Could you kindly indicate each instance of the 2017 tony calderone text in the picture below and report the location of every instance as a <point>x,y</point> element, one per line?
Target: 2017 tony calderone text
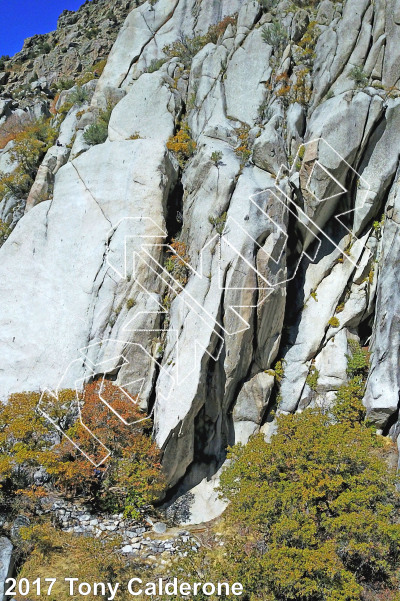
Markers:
<point>135,587</point>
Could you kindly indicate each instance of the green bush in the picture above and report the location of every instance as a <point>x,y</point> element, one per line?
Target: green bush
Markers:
<point>358,360</point>
<point>156,65</point>
<point>216,157</point>
<point>334,322</point>
<point>31,144</point>
<point>79,95</point>
<point>312,378</point>
<point>348,406</point>
<point>318,506</point>
<point>92,32</point>
<point>65,84</point>
<point>4,231</point>
<point>185,49</point>
<point>45,48</point>
<point>97,133</point>
<point>275,35</point>
<point>219,222</point>
<point>3,59</point>
<point>359,77</point>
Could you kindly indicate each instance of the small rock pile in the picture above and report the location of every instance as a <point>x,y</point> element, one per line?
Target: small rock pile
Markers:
<point>145,539</point>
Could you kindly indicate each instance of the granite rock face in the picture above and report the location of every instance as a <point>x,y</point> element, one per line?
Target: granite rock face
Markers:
<point>285,161</point>
<point>6,563</point>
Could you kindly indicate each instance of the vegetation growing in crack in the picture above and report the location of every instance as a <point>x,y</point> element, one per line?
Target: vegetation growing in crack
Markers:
<point>130,303</point>
<point>278,372</point>
<point>182,144</point>
<point>359,77</point>
<point>275,35</point>
<point>378,226</point>
<point>5,231</point>
<point>219,222</point>
<point>308,43</point>
<point>288,90</point>
<point>177,263</point>
<point>216,157</point>
<point>312,378</point>
<point>79,95</point>
<point>242,149</point>
<point>156,64</point>
<point>339,308</point>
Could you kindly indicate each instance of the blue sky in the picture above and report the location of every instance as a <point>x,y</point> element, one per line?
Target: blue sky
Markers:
<point>21,19</point>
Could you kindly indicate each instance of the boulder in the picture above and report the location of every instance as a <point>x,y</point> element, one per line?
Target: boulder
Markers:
<point>253,398</point>
<point>21,521</point>
<point>132,116</point>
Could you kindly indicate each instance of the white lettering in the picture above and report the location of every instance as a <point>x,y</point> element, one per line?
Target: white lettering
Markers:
<point>237,589</point>
<point>174,585</point>
<point>206,586</point>
<point>84,586</point>
<point>113,590</point>
<point>71,585</point>
<point>130,589</point>
<point>196,587</point>
<point>150,589</point>
<point>99,586</point>
<point>185,589</point>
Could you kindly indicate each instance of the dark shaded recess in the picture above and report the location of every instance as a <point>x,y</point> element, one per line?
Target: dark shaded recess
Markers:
<point>365,329</point>
<point>392,423</point>
<point>152,397</point>
<point>211,433</point>
<point>174,205</point>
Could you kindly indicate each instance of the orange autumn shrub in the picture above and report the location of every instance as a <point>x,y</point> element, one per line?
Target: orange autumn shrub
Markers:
<point>28,442</point>
<point>182,145</point>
